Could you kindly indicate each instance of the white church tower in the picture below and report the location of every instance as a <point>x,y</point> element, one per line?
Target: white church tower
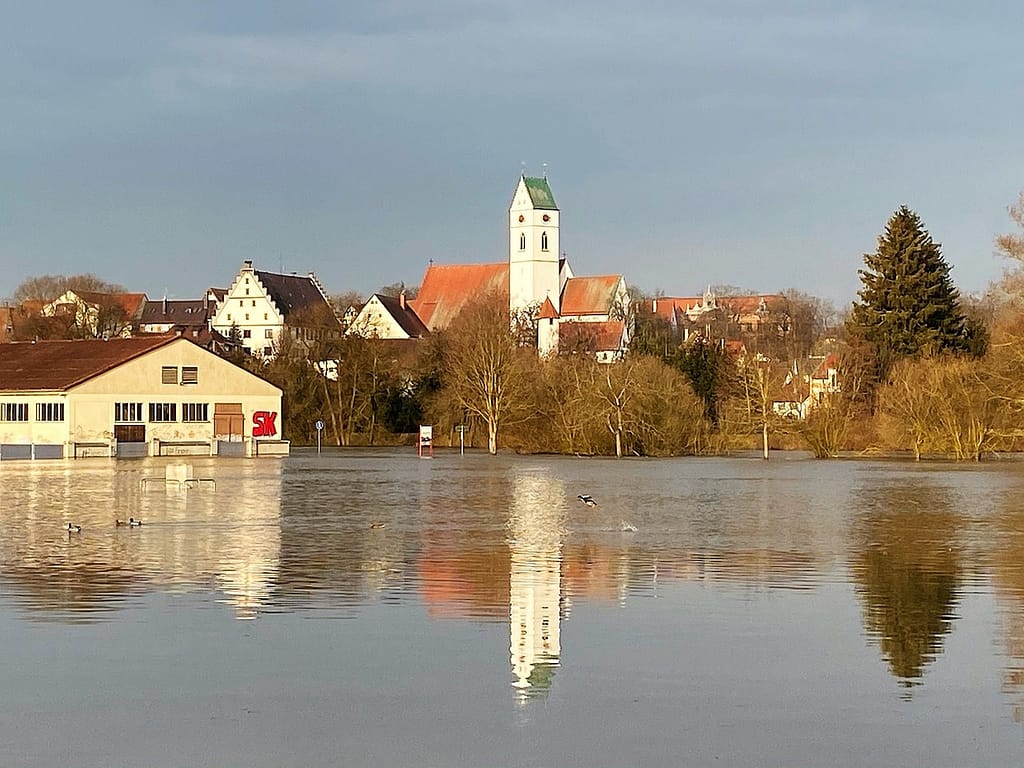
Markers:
<point>533,246</point>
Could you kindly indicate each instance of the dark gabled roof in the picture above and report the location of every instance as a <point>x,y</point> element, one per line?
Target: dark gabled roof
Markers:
<point>60,365</point>
<point>175,312</point>
<point>404,316</point>
<point>294,293</point>
<point>540,193</point>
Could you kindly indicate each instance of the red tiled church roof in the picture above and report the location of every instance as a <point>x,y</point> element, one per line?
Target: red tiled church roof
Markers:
<point>448,288</point>
<point>589,295</point>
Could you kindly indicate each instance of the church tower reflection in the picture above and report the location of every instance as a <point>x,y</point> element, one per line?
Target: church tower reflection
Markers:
<point>536,533</point>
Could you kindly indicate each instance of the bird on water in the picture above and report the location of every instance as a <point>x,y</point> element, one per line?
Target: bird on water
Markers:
<point>586,498</point>
<point>72,528</point>
<point>130,522</point>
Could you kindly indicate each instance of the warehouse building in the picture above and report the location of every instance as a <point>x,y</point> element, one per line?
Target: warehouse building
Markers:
<point>146,396</point>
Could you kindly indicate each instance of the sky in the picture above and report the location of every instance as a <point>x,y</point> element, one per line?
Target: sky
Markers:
<point>756,144</point>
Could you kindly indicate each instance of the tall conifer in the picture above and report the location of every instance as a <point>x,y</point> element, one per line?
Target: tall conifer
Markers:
<point>908,304</point>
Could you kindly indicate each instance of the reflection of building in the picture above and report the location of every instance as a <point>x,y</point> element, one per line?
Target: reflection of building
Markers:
<point>191,540</point>
<point>535,582</point>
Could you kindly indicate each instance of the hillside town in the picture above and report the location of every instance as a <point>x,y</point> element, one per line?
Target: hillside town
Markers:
<point>743,368</point>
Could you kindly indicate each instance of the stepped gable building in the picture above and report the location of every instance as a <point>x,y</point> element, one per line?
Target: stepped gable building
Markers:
<point>267,308</point>
<point>572,313</point>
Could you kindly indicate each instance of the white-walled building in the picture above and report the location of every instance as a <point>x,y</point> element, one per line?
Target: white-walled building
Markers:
<point>161,395</point>
<point>267,306</point>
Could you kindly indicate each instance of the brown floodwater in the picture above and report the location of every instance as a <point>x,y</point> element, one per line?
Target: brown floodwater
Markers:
<point>368,608</point>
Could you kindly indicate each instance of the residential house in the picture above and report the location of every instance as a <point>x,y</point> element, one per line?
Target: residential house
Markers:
<point>387,317</point>
<point>91,314</point>
<point>265,309</point>
<point>150,395</point>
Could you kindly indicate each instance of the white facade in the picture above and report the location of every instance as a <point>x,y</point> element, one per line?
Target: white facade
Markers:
<point>248,305</point>
<point>534,249</point>
<point>176,399</point>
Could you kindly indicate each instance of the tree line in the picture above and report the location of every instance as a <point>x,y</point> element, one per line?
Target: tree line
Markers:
<point>915,368</point>
<point>918,369</point>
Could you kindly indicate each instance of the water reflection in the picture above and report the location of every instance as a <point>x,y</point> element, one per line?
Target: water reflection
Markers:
<point>536,530</point>
<point>906,565</point>
<point>1008,585</point>
<point>225,539</point>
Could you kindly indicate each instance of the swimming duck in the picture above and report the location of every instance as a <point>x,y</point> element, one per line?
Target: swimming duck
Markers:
<point>376,526</point>
<point>72,528</point>
<point>587,499</point>
<point>131,522</point>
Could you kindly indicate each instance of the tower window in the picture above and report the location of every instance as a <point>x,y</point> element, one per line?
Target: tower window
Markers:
<point>522,241</point>
<point>543,241</point>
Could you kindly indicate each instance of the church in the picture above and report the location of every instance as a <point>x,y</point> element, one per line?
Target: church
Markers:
<point>572,314</point>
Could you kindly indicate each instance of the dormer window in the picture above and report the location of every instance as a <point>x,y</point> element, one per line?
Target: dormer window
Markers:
<point>543,241</point>
<point>522,241</point>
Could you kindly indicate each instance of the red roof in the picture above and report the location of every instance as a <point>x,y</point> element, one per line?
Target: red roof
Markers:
<point>547,311</point>
<point>830,361</point>
<point>589,295</point>
<point>447,289</point>
<point>129,302</point>
<point>60,365</point>
<point>604,336</point>
<point>666,306</point>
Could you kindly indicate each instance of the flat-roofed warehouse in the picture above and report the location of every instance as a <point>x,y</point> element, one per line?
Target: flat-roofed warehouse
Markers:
<point>144,396</point>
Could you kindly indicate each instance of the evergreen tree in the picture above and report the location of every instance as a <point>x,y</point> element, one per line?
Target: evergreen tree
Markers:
<point>909,305</point>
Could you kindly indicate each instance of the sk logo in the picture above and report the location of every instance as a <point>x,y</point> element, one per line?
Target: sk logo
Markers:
<point>263,424</point>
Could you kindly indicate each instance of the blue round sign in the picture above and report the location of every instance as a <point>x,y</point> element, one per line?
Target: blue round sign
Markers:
<point>319,425</point>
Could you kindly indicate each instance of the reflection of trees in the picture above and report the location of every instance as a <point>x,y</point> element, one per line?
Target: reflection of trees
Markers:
<point>1008,585</point>
<point>906,566</point>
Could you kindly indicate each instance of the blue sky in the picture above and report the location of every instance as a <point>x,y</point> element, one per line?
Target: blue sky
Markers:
<point>757,144</point>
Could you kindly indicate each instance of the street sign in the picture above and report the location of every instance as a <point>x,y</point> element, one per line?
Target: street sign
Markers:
<point>319,428</point>
<point>319,425</point>
<point>460,428</point>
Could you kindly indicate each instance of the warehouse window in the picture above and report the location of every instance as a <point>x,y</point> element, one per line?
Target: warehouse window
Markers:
<point>189,374</point>
<point>49,411</point>
<point>127,412</point>
<point>195,412</point>
<point>163,411</point>
<point>169,374</point>
<point>13,411</point>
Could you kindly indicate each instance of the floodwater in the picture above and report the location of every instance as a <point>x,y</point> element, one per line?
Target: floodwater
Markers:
<point>368,608</point>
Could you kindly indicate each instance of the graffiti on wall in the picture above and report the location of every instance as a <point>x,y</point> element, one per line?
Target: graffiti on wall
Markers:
<point>264,424</point>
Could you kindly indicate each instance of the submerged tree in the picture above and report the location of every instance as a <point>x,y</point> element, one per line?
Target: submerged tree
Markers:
<point>485,367</point>
<point>908,303</point>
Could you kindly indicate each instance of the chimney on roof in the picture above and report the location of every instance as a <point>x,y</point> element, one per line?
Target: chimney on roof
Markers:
<point>247,265</point>
<point>165,304</point>
<point>401,299</point>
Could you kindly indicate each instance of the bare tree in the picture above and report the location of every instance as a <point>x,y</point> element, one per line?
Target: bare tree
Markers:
<point>49,287</point>
<point>1012,245</point>
<point>485,366</point>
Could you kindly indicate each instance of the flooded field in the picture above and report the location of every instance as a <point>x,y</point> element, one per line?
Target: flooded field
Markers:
<point>368,608</point>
